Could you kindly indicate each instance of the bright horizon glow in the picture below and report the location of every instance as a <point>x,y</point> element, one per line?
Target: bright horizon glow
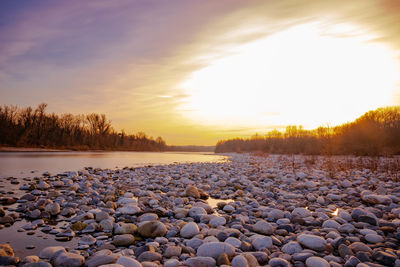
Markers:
<point>310,75</point>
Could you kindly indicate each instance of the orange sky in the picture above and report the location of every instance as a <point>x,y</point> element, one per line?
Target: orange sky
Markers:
<point>195,72</point>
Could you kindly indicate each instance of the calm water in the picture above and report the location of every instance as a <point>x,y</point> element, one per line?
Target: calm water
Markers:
<point>24,164</point>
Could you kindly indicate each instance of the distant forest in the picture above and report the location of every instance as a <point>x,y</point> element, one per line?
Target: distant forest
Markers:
<point>28,127</point>
<point>375,133</point>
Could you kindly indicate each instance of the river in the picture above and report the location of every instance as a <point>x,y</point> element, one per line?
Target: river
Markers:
<point>28,164</point>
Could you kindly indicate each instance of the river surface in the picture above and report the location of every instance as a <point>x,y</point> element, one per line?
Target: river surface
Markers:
<point>29,164</point>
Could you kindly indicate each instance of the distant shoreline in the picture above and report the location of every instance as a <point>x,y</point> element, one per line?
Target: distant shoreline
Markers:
<point>38,149</point>
<point>31,149</point>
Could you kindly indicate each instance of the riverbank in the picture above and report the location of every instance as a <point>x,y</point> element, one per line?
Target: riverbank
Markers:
<point>250,211</point>
<point>30,149</point>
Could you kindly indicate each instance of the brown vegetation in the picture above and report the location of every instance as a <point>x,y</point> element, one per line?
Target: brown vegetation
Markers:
<point>27,127</point>
<point>377,132</point>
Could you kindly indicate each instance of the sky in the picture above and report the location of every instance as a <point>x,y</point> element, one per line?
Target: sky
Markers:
<point>195,72</point>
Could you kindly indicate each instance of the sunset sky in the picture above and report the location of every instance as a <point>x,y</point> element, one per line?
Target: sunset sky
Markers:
<point>195,72</point>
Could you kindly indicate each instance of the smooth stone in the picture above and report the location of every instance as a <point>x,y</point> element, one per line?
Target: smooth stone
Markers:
<point>279,262</point>
<point>291,248</point>
<point>172,251</point>
<point>239,261</point>
<point>376,199</point>
<point>302,256</point>
<point>263,227</point>
<point>101,259</point>
<point>48,252</point>
<point>87,240</point>
<point>152,229</point>
<point>108,226</point>
<point>30,259</point>
<point>301,212</point>
<point>217,221</point>
<point>316,262</point>
<point>373,238</point>
<point>150,256</point>
<point>102,215</point>
<point>123,240</point>
<point>358,246</point>
<point>129,209</point>
<point>228,208</point>
<point>312,241</point>
<point>194,243</point>
<point>6,220</point>
<point>37,264</point>
<point>214,249</point>
<point>67,259</point>
<point>171,263</point>
<point>200,261</point>
<point>192,191</point>
<point>344,251</point>
<point>148,217</point>
<point>233,241</point>
<point>53,208</point>
<point>261,243</point>
<point>197,211</point>
<point>331,224</point>
<point>128,262</point>
<point>125,228</point>
<point>189,230</point>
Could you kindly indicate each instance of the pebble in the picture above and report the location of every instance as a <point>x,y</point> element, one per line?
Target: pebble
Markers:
<point>317,262</point>
<point>200,261</point>
<point>312,241</point>
<point>265,214</point>
<point>152,229</point>
<point>123,240</point>
<point>263,227</point>
<point>214,249</point>
<point>67,259</point>
<point>189,230</point>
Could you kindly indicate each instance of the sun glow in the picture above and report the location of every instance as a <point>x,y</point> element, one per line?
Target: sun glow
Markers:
<point>307,75</point>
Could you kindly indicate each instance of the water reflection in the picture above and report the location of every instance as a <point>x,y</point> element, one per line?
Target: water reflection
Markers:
<point>21,164</point>
<point>335,212</point>
<point>214,201</point>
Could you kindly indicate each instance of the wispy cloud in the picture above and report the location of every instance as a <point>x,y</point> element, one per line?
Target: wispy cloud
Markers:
<point>127,58</point>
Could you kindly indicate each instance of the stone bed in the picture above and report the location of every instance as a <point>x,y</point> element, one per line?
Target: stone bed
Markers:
<point>273,211</point>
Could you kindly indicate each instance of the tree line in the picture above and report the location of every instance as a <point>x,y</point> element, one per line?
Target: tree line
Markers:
<point>33,127</point>
<point>377,132</point>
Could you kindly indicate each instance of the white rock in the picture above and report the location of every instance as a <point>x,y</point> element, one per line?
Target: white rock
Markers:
<point>373,238</point>
<point>129,209</point>
<point>331,224</point>
<point>233,241</point>
<point>317,262</point>
<point>48,252</point>
<point>214,249</point>
<point>201,262</point>
<point>291,248</point>
<point>312,241</point>
<point>67,259</point>
<point>301,212</point>
<point>197,211</point>
<point>263,227</point>
<point>217,221</point>
<point>260,243</point>
<point>189,230</point>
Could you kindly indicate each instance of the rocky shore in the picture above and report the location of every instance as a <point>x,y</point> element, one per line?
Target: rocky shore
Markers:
<point>251,211</point>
